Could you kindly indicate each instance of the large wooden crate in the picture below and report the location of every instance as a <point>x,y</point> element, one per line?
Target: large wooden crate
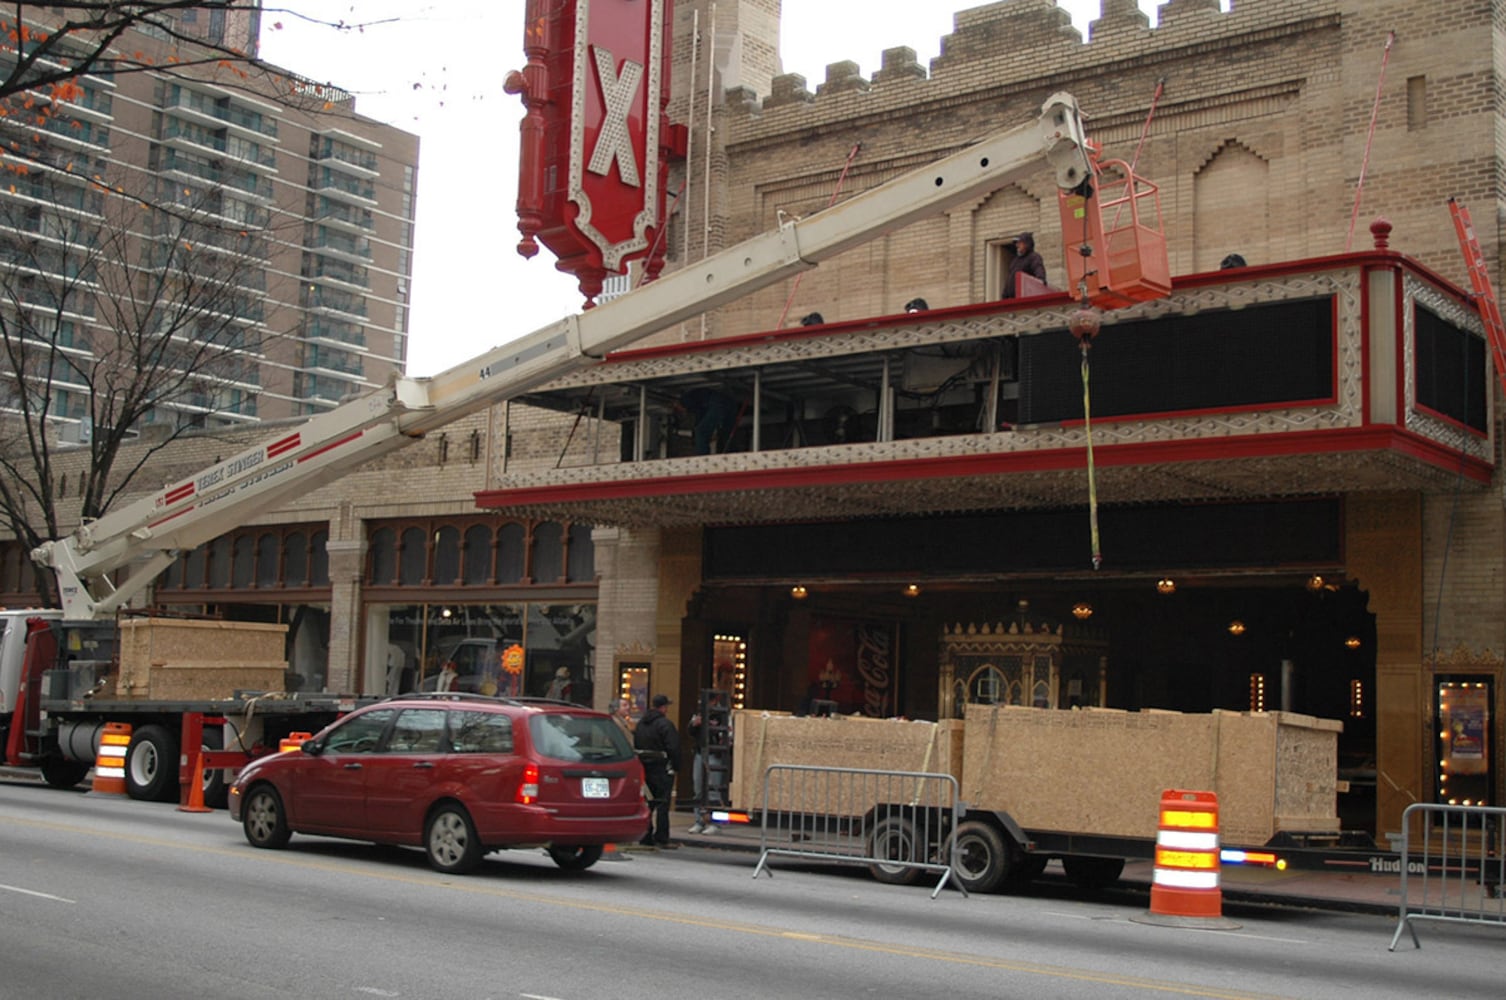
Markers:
<point>1103,771</point>
<point>764,738</point>
<point>169,658</point>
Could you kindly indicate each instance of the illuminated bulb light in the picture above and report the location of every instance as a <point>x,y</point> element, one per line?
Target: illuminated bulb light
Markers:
<point>1315,582</point>
<point>1166,585</point>
<point>1353,642</point>
<point>1236,627</point>
<point>911,590</point>
<point>799,593</point>
<point>1082,611</point>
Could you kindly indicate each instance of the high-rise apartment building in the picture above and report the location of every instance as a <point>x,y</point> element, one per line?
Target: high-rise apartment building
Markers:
<point>257,201</point>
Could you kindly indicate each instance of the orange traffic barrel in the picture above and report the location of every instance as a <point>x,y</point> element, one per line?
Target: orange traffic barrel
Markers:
<point>1185,883</point>
<point>110,758</point>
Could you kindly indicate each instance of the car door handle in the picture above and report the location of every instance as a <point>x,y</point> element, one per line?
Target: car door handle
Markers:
<point>428,764</point>
<point>354,765</point>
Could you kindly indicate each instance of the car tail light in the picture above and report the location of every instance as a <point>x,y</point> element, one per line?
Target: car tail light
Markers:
<point>528,788</point>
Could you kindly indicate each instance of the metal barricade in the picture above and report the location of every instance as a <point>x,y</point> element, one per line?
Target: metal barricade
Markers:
<point>1453,866</point>
<point>898,823</point>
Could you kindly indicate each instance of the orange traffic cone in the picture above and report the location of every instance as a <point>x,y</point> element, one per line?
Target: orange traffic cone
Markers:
<point>194,802</point>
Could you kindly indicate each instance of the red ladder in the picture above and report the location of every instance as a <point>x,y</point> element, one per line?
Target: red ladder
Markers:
<point>1479,277</point>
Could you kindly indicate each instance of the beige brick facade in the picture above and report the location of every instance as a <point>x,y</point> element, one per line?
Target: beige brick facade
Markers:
<point>1257,142</point>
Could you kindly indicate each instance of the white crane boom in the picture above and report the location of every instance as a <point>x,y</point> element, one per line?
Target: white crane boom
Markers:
<point>150,532</point>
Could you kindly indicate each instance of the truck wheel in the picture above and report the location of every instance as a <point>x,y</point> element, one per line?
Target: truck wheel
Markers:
<point>151,771</point>
<point>1092,873</point>
<point>983,859</point>
<point>450,840</point>
<point>263,818</point>
<point>893,838</point>
<point>216,788</point>
<point>576,859</point>
<point>61,773</point>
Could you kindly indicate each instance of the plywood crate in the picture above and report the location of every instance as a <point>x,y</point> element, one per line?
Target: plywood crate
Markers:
<point>198,659</point>
<point>761,739</point>
<point>1103,771</point>
<point>197,682</point>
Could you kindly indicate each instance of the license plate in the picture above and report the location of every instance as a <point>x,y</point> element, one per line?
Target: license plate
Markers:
<point>594,788</point>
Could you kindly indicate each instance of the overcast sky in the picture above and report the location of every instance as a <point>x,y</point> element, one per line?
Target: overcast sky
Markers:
<point>437,68</point>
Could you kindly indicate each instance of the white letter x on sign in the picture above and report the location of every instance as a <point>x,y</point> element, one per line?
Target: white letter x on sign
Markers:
<point>617,94</point>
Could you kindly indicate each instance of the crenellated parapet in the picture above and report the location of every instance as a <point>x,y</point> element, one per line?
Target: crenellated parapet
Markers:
<point>1031,45</point>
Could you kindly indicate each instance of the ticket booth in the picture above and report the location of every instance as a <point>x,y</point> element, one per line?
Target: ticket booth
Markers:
<point>1020,664</point>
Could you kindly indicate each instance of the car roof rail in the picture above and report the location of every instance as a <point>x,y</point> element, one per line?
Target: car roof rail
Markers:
<point>521,701</point>
<point>446,696</point>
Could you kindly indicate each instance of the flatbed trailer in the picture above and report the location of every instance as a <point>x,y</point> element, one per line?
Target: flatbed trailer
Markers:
<point>1082,787</point>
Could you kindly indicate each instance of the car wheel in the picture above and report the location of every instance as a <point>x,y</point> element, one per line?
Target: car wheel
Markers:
<point>451,841</point>
<point>893,838</point>
<point>151,771</point>
<point>1092,873</point>
<point>576,859</point>
<point>60,773</point>
<point>983,859</point>
<point>263,818</point>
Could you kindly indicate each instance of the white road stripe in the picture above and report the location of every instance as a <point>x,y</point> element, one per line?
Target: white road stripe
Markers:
<point>39,895</point>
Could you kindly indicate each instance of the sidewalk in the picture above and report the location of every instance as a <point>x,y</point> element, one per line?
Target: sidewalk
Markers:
<point>1354,891</point>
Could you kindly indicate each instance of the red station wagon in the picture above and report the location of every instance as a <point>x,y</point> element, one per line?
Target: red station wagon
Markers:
<point>459,775</point>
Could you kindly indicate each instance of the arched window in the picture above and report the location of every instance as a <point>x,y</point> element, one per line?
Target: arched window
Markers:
<point>510,553</point>
<point>268,553</point>
<point>383,556</point>
<point>413,558</point>
<point>319,559</point>
<point>242,561</point>
<point>193,572</point>
<point>219,563</point>
<point>296,560</point>
<point>446,555</point>
<point>582,554</point>
<point>478,555</point>
<point>548,553</point>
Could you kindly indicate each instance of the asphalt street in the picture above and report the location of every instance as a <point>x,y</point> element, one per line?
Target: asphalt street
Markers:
<point>101,896</point>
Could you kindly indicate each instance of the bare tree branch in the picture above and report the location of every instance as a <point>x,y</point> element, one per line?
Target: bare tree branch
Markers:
<point>116,311</point>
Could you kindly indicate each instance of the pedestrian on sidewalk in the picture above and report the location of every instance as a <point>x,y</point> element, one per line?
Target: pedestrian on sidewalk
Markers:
<point>658,745</point>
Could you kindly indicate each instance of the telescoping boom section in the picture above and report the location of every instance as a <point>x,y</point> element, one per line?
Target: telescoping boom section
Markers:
<point>149,533</point>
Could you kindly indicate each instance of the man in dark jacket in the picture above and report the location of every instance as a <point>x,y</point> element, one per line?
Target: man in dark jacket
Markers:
<point>1026,261</point>
<point>658,743</point>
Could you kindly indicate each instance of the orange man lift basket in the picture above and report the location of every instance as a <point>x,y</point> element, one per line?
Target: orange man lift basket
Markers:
<point>1114,238</point>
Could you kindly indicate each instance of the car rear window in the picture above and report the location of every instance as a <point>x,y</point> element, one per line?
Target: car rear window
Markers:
<point>480,732</point>
<point>570,736</point>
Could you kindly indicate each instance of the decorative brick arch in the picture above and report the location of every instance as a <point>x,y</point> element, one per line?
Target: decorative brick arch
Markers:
<point>1002,215</point>
<point>1231,197</point>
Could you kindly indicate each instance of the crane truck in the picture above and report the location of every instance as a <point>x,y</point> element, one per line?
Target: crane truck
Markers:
<point>53,707</point>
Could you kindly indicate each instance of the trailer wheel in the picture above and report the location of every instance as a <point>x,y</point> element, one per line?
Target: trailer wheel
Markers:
<point>151,772</point>
<point>983,859</point>
<point>59,772</point>
<point>893,838</point>
<point>264,820</point>
<point>450,840</point>
<point>1092,873</point>
<point>576,859</point>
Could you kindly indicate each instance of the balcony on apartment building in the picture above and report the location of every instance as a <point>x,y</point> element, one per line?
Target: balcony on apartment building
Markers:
<point>1358,373</point>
